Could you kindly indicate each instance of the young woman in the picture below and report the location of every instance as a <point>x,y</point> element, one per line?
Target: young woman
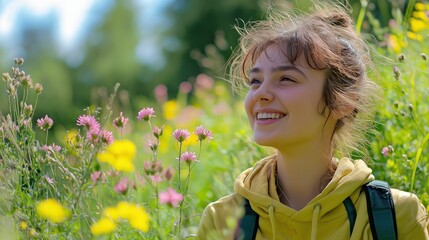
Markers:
<point>308,97</point>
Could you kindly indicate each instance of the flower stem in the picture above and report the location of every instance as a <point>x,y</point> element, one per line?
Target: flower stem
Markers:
<point>35,106</point>
<point>361,16</point>
<point>408,12</point>
<point>157,204</point>
<point>178,167</point>
<point>180,188</point>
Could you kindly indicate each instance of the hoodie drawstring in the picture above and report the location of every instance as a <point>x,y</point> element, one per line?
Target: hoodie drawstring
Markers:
<point>272,220</point>
<point>316,211</point>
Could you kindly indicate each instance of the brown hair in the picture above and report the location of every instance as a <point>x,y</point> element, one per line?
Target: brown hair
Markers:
<point>327,40</point>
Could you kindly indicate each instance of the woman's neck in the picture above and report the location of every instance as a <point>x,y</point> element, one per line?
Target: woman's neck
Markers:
<point>300,174</point>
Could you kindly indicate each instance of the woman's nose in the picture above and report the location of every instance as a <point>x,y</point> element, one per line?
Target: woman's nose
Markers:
<point>264,92</point>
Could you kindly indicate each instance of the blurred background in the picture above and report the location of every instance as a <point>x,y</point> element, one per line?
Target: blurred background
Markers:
<point>79,49</point>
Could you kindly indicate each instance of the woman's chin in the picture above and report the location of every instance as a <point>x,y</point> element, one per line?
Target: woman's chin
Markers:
<point>266,142</point>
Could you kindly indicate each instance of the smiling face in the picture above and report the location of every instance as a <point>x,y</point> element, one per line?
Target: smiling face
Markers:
<point>284,101</point>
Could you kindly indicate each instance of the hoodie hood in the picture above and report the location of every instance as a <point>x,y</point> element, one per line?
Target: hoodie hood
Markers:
<point>324,217</point>
<point>258,185</point>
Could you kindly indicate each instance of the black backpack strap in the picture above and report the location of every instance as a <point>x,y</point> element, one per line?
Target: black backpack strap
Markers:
<point>381,210</point>
<point>249,224</point>
<point>351,212</point>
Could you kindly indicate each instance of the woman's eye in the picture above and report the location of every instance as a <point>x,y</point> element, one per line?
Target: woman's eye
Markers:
<point>285,78</point>
<point>254,81</point>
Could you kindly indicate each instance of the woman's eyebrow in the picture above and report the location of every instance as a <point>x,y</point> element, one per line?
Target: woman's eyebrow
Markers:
<point>279,68</point>
<point>285,68</point>
<point>255,70</point>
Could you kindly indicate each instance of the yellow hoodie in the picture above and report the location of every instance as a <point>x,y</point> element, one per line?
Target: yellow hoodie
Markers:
<point>324,217</point>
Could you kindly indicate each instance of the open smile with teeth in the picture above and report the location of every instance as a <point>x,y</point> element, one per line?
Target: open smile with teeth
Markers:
<point>264,116</point>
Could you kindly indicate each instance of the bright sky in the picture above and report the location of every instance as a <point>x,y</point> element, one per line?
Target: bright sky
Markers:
<point>73,16</point>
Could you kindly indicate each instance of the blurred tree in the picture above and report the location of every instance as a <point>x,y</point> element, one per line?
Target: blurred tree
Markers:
<point>41,62</point>
<point>197,28</point>
<point>111,54</point>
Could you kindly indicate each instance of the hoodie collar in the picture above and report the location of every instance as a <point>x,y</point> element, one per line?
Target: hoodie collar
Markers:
<point>258,184</point>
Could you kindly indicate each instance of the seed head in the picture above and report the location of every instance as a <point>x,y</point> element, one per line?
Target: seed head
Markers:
<point>19,61</point>
<point>6,77</point>
<point>28,110</point>
<point>396,72</point>
<point>11,90</point>
<point>26,81</point>
<point>38,88</point>
<point>396,104</point>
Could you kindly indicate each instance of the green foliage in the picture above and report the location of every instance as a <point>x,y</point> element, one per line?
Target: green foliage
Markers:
<point>402,118</point>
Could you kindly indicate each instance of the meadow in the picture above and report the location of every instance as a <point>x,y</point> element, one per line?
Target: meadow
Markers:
<point>149,174</point>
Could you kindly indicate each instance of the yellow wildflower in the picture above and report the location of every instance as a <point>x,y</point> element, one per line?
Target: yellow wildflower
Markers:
<point>120,211</point>
<point>135,214</point>
<point>119,155</point>
<point>51,209</point>
<point>418,25</point>
<point>415,36</point>
<point>421,16</point>
<point>23,225</point>
<point>103,226</point>
<point>33,232</point>
<point>192,139</point>
<point>170,109</point>
<point>165,139</point>
<point>140,221</point>
<point>395,43</point>
<point>421,6</point>
<point>71,137</point>
<point>123,148</point>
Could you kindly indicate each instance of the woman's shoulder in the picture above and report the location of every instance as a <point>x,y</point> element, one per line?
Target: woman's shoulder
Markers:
<point>224,205</point>
<point>411,215</point>
<point>220,218</point>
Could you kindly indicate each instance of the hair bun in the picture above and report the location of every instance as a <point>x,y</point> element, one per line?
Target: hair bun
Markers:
<point>339,20</point>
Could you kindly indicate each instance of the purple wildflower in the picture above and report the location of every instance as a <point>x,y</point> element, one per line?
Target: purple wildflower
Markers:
<point>48,179</point>
<point>93,135</point>
<point>387,151</point>
<point>89,122</point>
<point>45,123</point>
<point>95,176</point>
<point>170,197</point>
<point>51,148</point>
<point>106,137</point>
<point>181,134</point>
<point>157,132</point>
<point>203,133</point>
<point>152,167</point>
<point>146,114</point>
<point>152,145</point>
<point>169,173</point>
<point>122,186</point>
<point>120,122</point>
<point>188,157</point>
<point>156,178</point>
